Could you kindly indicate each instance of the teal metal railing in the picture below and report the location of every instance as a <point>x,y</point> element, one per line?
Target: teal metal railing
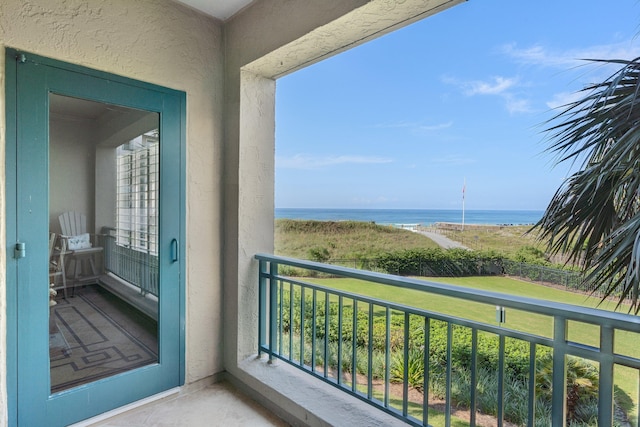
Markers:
<point>387,353</point>
<point>137,268</point>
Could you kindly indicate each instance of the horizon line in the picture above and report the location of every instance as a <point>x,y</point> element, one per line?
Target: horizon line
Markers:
<point>410,209</point>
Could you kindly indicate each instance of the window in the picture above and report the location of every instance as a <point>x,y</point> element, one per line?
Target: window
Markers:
<point>137,193</point>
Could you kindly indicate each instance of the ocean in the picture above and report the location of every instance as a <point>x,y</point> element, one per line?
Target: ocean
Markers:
<point>414,216</point>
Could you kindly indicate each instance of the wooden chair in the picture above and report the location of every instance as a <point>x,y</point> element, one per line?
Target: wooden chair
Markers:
<point>80,249</point>
<point>56,263</point>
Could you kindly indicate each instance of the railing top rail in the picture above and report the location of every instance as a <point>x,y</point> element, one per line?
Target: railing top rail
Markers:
<point>550,308</point>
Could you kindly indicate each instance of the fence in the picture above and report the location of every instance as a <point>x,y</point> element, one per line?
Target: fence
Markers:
<point>569,279</point>
<point>363,345</point>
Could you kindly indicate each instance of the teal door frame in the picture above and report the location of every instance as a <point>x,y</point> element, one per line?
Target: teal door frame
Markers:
<point>29,81</point>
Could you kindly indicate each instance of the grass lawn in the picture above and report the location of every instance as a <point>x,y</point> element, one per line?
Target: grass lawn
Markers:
<point>625,343</point>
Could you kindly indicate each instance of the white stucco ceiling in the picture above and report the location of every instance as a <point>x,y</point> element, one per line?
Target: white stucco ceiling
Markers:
<point>221,9</point>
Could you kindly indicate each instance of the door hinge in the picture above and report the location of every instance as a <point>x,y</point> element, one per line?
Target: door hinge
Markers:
<point>20,250</point>
<point>21,58</point>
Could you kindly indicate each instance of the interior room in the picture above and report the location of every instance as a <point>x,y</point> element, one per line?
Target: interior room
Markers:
<point>103,174</point>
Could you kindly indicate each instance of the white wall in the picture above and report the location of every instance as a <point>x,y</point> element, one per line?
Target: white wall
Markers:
<point>164,43</point>
<point>71,169</point>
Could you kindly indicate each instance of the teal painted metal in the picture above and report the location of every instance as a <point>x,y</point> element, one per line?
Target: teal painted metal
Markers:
<point>447,413</point>
<point>291,299</point>
<point>340,309</point>
<point>387,356</point>
<point>501,381</point>
<point>425,384</point>
<point>314,323</point>
<point>31,81</point>
<point>281,317</point>
<point>474,375</point>
<point>354,347</point>
<point>262,308</point>
<point>369,353</point>
<point>561,314</point>
<point>559,382</point>
<point>302,318</point>
<point>531,407</point>
<point>11,162</point>
<point>405,371</point>
<point>273,304</point>
<point>605,386</point>
<point>327,321</point>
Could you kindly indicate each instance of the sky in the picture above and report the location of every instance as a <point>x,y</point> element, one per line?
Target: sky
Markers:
<point>457,100</point>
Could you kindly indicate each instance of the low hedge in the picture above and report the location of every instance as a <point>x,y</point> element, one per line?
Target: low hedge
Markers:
<point>516,351</point>
<point>440,262</point>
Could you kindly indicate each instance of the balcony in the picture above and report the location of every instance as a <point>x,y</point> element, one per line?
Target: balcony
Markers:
<point>313,354</point>
<point>221,402</point>
<point>360,345</point>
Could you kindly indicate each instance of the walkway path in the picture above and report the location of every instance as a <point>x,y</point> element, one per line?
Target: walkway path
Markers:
<point>443,241</point>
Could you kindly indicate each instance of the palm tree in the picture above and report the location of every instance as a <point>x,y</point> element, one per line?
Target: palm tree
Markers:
<point>594,217</point>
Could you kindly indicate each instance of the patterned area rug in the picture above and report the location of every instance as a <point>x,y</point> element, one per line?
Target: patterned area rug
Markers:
<point>94,335</point>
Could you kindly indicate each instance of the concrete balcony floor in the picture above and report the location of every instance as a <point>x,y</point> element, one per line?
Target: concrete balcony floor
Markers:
<point>219,404</point>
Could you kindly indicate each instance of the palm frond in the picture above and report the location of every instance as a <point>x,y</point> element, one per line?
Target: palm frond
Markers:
<point>593,216</point>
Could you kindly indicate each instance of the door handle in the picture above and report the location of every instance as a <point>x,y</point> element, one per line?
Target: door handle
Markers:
<point>174,250</point>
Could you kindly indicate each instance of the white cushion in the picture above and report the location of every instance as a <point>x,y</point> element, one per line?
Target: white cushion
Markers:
<point>81,241</point>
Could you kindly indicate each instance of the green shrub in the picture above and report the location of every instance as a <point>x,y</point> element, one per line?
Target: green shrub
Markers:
<point>440,262</point>
<point>415,368</point>
<point>319,254</point>
<point>531,255</point>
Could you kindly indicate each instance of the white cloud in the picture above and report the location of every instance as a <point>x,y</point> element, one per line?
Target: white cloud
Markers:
<point>498,86</point>
<point>452,160</point>
<point>564,59</point>
<point>438,126</point>
<point>396,125</point>
<point>573,60</point>
<point>515,105</point>
<point>417,126</point>
<point>562,99</point>
<point>304,161</point>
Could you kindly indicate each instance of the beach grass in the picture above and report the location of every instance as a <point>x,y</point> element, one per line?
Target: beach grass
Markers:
<point>308,239</point>
<point>508,239</point>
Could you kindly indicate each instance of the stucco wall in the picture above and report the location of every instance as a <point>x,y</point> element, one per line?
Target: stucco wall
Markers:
<point>268,40</point>
<point>167,44</point>
<point>164,43</point>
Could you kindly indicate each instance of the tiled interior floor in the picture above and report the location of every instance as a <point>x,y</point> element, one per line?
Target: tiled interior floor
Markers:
<point>94,334</point>
<point>219,404</point>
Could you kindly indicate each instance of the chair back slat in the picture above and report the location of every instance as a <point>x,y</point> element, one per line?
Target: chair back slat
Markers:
<point>73,223</point>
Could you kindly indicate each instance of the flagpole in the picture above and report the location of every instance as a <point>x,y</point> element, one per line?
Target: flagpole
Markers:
<point>464,186</point>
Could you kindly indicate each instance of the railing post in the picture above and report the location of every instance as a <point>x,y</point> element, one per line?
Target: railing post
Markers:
<point>262,295</point>
<point>447,393</point>
<point>501,402</point>
<point>606,386</point>
<point>273,308</point>
<point>559,382</point>
<point>531,416</point>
